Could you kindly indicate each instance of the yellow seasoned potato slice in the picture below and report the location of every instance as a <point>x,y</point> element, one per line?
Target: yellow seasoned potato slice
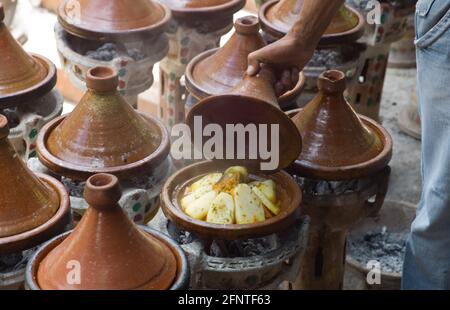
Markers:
<point>221,210</point>
<point>273,208</point>
<point>268,188</point>
<point>193,196</point>
<point>200,207</point>
<point>208,180</point>
<point>248,207</point>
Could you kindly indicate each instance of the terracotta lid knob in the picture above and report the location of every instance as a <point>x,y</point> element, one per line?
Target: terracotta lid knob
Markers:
<point>4,128</point>
<point>102,191</point>
<point>247,25</point>
<point>2,13</point>
<point>332,82</point>
<point>102,79</point>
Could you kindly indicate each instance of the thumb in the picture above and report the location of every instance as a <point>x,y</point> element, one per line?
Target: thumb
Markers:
<point>254,64</point>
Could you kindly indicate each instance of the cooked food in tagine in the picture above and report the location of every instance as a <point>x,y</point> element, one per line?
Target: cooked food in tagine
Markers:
<point>231,198</point>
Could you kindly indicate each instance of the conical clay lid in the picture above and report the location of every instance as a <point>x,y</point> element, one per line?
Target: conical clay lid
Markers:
<point>278,17</point>
<point>112,19</point>
<point>217,72</point>
<point>102,132</point>
<point>25,202</point>
<point>193,3</point>
<point>207,8</point>
<point>337,143</point>
<point>111,252</point>
<point>22,76</point>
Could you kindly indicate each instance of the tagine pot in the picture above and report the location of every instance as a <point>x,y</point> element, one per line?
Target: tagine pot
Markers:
<point>27,95</point>
<point>113,253</point>
<point>128,36</point>
<point>278,16</point>
<point>219,71</point>
<point>103,134</point>
<point>33,208</point>
<point>341,149</point>
<point>196,26</point>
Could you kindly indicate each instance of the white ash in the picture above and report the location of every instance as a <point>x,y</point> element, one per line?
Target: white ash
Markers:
<point>387,248</point>
<point>319,187</point>
<point>15,262</point>
<point>110,51</point>
<point>181,236</point>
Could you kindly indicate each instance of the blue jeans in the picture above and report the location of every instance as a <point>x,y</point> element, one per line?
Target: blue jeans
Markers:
<point>427,260</point>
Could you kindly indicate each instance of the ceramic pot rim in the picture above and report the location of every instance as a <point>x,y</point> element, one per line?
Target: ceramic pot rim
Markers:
<point>77,172</point>
<point>228,232</point>
<point>37,90</point>
<point>230,7</point>
<point>183,271</point>
<point>328,39</point>
<point>201,93</point>
<point>40,234</point>
<point>350,172</point>
<point>123,35</point>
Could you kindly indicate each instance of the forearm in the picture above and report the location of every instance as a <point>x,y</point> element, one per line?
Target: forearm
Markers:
<point>313,21</point>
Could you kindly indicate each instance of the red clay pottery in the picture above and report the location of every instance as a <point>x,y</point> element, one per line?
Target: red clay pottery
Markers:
<point>211,9</point>
<point>22,76</point>
<point>278,16</point>
<point>32,208</point>
<point>338,144</point>
<point>218,71</point>
<point>289,194</point>
<point>113,19</point>
<point>111,252</point>
<point>253,102</point>
<point>103,134</point>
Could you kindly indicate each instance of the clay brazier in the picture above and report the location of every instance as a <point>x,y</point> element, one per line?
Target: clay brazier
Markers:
<point>344,171</point>
<point>112,252</point>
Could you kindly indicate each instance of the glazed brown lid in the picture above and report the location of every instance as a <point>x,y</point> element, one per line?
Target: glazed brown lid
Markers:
<point>278,16</point>
<point>218,71</point>
<point>103,134</point>
<point>113,254</point>
<point>25,201</point>
<point>205,8</point>
<point>113,19</point>
<point>337,143</point>
<point>252,102</point>
<point>22,76</point>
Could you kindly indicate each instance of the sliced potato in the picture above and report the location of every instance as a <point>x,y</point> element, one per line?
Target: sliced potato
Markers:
<point>208,180</point>
<point>240,171</point>
<point>194,195</point>
<point>230,179</point>
<point>221,210</point>
<point>248,207</point>
<point>268,188</point>
<point>267,214</point>
<point>200,207</point>
<point>275,209</point>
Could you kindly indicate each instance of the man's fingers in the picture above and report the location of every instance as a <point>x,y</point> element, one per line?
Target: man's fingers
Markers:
<point>253,64</point>
<point>295,75</point>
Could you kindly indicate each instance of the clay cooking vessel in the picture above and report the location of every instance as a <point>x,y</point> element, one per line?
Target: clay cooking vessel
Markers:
<point>278,16</point>
<point>288,193</point>
<point>218,71</point>
<point>113,19</point>
<point>103,134</point>
<point>33,208</point>
<point>338,144</point>
<point>22,76</point>
<point>113,253</point>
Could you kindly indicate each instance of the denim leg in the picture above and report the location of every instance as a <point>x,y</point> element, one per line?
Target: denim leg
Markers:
<point>427,260</point>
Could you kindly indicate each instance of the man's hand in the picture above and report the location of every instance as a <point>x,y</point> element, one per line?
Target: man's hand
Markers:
<point>286,57</point>
<point>296,48</point>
